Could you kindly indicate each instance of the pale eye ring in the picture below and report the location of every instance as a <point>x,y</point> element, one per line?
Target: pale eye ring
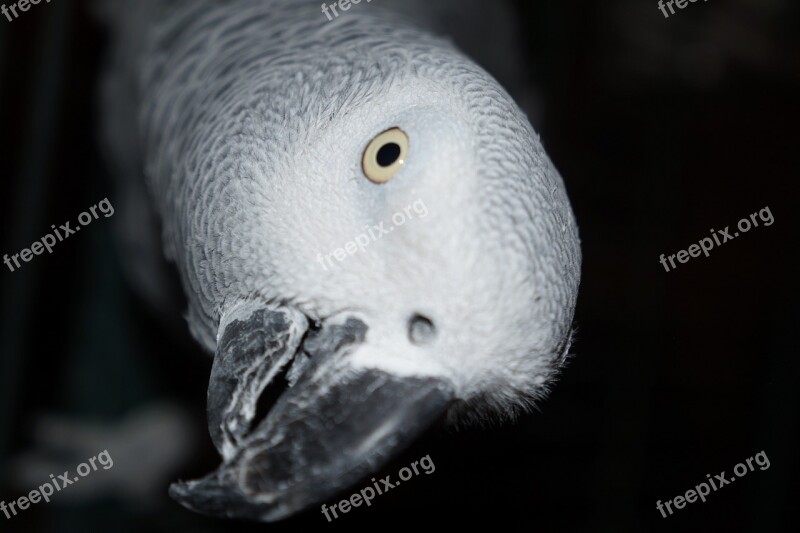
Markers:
<point>385,155</point>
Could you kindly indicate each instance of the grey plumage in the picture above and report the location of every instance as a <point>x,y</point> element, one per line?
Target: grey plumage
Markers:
<point>248,120</point>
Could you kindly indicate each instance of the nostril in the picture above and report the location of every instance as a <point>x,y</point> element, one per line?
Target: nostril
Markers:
<point>421,330</point>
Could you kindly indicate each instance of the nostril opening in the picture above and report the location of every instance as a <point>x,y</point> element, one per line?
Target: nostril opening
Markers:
<point>421,330</point>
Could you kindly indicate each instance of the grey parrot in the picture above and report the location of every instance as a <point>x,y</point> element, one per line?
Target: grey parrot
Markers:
<point>260,138</point>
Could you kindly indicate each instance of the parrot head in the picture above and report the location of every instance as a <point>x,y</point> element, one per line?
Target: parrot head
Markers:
<point>398,249</point>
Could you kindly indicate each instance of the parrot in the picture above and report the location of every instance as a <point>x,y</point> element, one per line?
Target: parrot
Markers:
<point>252,141</point>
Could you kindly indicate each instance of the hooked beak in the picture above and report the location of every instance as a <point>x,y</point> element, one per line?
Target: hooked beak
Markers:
<point>332,426</point>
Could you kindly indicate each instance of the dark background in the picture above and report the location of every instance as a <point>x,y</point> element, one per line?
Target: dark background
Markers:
<point>662,129</point>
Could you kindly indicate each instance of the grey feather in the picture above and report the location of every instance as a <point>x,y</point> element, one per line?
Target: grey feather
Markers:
<point>248,120</point>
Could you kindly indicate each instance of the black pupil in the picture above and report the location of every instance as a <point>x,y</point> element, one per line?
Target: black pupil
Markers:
<point>388,154</point>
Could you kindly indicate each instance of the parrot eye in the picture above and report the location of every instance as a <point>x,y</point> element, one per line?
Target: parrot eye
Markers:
<point>385,155</point>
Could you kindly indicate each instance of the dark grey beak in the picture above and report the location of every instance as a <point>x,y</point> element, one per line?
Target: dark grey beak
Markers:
<point>332,426</point>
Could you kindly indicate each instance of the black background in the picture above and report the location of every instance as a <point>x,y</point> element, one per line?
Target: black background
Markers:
<point>662,129</point>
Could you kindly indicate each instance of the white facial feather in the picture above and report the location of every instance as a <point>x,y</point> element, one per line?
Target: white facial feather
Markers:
<point>253,128</point>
